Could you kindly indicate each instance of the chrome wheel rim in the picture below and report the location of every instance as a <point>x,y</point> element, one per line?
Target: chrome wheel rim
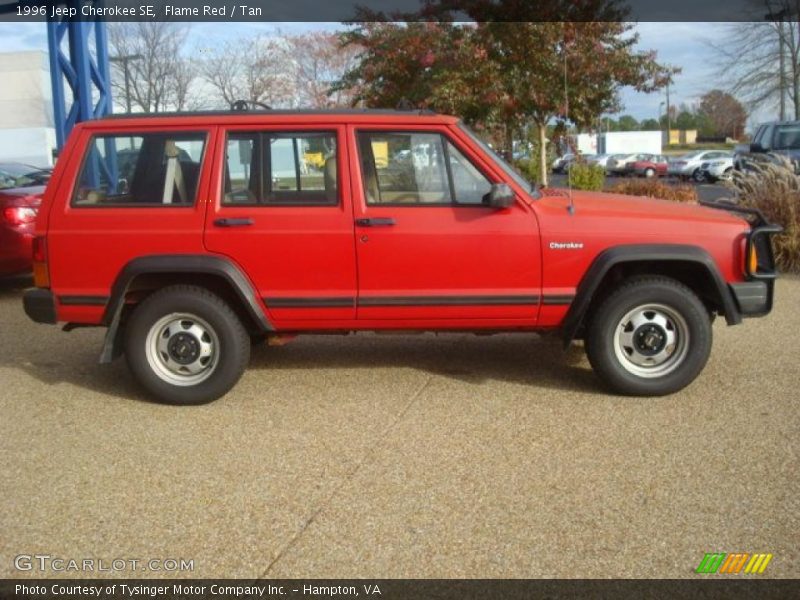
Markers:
<point>651,340</point>
<point>182,349</point>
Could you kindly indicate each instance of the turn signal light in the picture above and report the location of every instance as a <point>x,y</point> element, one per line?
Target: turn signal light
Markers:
<point>752,260</point>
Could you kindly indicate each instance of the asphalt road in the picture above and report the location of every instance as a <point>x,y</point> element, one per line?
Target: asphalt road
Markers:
<point>705,191</point>
<point>407,456</point>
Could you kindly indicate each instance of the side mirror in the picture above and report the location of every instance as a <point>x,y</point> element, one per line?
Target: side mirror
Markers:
<point>500,196</point>
<point>757,148</point>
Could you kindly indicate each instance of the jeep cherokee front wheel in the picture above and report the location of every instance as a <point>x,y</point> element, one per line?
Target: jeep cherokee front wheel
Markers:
<point>186,345</point>
<point>650,337</point>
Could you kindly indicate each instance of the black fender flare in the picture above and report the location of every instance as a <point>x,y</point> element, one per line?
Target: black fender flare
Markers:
<point>176,263</point>
<point>644,253</point>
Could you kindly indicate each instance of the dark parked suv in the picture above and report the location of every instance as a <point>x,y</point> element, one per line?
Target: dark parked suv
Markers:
<point>780,138</point>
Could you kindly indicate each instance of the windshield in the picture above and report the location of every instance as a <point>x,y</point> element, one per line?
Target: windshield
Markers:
<point>788,137</point>
<point>507,169</point>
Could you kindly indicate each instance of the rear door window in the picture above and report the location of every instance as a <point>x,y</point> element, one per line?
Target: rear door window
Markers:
<point>275,168</point>
<point>141,169</point>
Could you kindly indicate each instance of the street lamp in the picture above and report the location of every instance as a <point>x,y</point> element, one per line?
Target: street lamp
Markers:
<point>124,61</point>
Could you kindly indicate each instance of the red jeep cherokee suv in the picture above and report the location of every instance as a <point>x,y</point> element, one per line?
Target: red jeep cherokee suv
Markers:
<point>189,235</point>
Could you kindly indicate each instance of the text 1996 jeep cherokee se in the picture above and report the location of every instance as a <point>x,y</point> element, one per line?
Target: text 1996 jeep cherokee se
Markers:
<point>189,235</point>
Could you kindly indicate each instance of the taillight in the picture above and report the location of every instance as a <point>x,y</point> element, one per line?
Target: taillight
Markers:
<point>19,215</point>
<point>41,274</point>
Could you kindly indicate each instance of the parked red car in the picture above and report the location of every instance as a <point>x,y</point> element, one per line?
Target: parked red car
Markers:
<point>219,229</point>
<point>21,188</point>
<point>655,166</point>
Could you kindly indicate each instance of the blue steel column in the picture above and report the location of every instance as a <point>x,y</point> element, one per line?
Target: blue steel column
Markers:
<point>87,75</point>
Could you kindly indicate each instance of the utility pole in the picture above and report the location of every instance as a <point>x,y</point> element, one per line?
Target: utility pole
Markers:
<point>669,118</point>
<point>782,54</point>
<point>124,61</point>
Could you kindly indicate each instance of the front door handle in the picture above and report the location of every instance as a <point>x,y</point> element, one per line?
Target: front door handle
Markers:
<point>234,222</point>
<point>375,222</point>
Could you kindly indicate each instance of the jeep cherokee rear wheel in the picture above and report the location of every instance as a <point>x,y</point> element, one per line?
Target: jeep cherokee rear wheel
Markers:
<point>650,337</point>
<point>186,345</point>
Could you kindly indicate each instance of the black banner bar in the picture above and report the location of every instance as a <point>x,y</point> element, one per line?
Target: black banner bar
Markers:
<point>344,10</point>
<point>396,589</point>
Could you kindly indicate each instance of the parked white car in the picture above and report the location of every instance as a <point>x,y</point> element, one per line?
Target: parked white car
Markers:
<point>688,165</point>
<point>561,162</point>
<point>599,159</point>
<point>714,170</point>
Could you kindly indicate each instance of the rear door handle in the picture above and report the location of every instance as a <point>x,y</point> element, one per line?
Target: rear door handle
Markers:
<point>234,222</point>
<point>375,222</point>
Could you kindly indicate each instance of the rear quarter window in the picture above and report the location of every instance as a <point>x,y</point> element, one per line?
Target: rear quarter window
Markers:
<point>140,169</point>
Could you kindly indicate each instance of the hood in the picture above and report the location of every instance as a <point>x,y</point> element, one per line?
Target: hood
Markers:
<point>627,208</point>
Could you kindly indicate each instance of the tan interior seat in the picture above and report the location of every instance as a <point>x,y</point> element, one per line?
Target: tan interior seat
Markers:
<point>174,179</point>
<point>330,175</point>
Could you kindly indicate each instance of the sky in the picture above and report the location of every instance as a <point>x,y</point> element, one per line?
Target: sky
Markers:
<point>686,45</point>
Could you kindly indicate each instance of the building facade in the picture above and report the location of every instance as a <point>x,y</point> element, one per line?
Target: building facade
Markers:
<point>27,134</point>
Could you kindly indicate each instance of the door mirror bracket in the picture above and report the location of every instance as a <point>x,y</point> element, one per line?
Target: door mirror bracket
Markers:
<point>500,196</point>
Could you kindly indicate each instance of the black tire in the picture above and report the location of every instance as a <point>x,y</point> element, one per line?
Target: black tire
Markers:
<point>224,333</point>
<point>680,307</point>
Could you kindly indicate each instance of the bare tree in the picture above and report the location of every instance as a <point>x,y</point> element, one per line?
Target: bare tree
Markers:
<point>761,59</point>
<point>319,59</point>
<point>158,76</point>
<point>257,69</point>
<point>185,74</point>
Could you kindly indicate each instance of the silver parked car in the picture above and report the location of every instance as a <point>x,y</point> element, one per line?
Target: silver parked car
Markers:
<point>688,165</point>
<point>560,162</point>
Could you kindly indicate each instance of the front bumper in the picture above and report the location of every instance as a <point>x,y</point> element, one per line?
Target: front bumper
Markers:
<point>686,171</point>
<point>754,298</point>
<point>40,305</point>
<point>715,172</point>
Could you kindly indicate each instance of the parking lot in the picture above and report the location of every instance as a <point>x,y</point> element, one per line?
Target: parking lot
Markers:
<point>706,192</point>
<point>402,456</point>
